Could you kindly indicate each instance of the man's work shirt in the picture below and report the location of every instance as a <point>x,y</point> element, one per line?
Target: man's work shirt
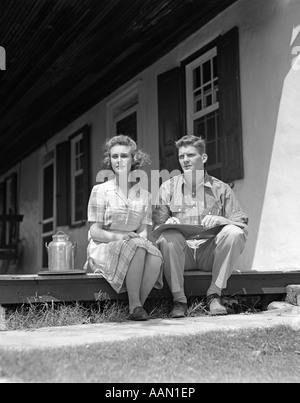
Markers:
<point>176,199</point>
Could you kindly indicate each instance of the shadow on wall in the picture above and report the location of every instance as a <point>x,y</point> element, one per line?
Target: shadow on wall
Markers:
<point>278,43</point>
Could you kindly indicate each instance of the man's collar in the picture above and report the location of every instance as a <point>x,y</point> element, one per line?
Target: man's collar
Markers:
<point>207,181</point>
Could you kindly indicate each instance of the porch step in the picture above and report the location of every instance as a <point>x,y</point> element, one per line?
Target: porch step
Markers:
<point>18,289</point>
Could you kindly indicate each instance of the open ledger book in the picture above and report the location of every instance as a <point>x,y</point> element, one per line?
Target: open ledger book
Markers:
<point>189,231</point>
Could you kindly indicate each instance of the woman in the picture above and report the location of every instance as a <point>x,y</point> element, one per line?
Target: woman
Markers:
<point>120,213</point>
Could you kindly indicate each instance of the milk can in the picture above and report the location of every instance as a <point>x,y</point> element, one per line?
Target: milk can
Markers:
<point>61,252</point>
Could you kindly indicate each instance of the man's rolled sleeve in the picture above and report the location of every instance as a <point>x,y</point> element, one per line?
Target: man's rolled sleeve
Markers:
<point>233,210</point>
<point>161,209</point>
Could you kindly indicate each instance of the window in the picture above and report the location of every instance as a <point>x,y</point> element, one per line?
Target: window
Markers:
<point>127,125</point>
<point>64,186</point>
<point>202,97</point>
<point>123,115</point>
<point>73,179</point>
<point>203,105</point>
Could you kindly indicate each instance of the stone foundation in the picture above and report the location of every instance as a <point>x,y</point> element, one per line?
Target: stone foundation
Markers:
<point>293,294</point>
<point>2,319</point>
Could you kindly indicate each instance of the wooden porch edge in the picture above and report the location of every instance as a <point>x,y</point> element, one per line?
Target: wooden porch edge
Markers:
<point>20,289</point>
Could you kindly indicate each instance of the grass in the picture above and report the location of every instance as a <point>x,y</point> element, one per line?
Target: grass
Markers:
<point>34,316</point>
<point>256,356</point>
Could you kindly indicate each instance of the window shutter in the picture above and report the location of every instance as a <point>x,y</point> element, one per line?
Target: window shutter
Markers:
<point>2,211</point>
<point>230,106</point>
<point>62,184</point>
<point>11,194</point>
<point>86,169</point>
<point>169,117</point>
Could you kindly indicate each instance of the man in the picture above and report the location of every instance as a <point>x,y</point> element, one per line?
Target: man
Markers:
<point>194,197</point>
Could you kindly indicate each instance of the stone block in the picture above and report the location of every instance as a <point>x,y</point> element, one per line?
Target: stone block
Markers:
<point>292,294</point>
<point>2,319</point>
<point>279,305</point>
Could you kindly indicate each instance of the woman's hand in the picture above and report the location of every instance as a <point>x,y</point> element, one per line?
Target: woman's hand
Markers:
<point>130,235</point>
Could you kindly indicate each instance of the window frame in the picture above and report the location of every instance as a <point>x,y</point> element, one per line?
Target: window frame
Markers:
<point>230,126</point>
<point>191,115</point>
<point>81,134</point>
<point>74,173</point>
<point>124,104</point>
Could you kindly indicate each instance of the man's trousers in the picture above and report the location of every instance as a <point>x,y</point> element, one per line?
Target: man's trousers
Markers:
<point>218,255</point>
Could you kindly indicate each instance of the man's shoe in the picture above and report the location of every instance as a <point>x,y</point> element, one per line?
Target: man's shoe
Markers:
<point>215,306</point>
<point>139,313</point>
<point>179,310</point>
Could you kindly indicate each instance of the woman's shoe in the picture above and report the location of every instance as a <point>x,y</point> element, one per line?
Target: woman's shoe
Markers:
<point>179,310</point>
<point>139,313</point>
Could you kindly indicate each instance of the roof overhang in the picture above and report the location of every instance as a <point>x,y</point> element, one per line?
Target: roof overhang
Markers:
<point>64,56</point>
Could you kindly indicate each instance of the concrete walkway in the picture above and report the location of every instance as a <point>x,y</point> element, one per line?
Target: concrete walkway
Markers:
<point>71,336</point>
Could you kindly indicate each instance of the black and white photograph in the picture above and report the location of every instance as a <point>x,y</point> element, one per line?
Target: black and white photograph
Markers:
<point>150,194</point>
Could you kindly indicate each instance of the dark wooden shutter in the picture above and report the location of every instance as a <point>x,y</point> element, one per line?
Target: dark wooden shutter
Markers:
<point>62,184</point>
<point>11,197</point>
<point>2,211</point>
<point>169,117</point>
<point>230,106</point>
<point>86,170</point>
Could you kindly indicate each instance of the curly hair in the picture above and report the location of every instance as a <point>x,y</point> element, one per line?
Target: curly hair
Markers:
<point>139,157</point>
<point>191,140</point>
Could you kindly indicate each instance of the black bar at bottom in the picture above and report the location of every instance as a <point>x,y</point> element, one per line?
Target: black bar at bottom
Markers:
<point>139,391</point>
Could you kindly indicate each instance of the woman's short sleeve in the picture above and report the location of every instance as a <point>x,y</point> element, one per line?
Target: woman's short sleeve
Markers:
<point>147,219</point>
<point>97,205</point>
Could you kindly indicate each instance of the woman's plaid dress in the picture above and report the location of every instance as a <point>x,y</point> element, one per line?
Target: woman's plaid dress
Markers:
<point>109,207</point>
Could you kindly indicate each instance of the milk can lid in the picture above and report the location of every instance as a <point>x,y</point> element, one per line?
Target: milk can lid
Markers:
<point>60,236</point>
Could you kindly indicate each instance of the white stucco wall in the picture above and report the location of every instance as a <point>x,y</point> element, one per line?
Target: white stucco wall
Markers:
<point>270,89</point>
<point>269,192</point>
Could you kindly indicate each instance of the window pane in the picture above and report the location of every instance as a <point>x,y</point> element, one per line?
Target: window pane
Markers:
<point>128,126</point>
<point>215,67</point>
<point>208,100</point>
<point>46,240</point>
<point>197,78</point>
<point>48,227</point>
<point>78,163</point>
<point>206,72</point>
<point>216,91</point>
<point>199,128</point>
<point>207,127</point>
<point>207,96</point>
<point>211,128</point>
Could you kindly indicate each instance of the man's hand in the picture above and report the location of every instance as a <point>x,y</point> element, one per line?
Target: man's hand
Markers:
<point>210,221</point>
<point>173,220</point>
